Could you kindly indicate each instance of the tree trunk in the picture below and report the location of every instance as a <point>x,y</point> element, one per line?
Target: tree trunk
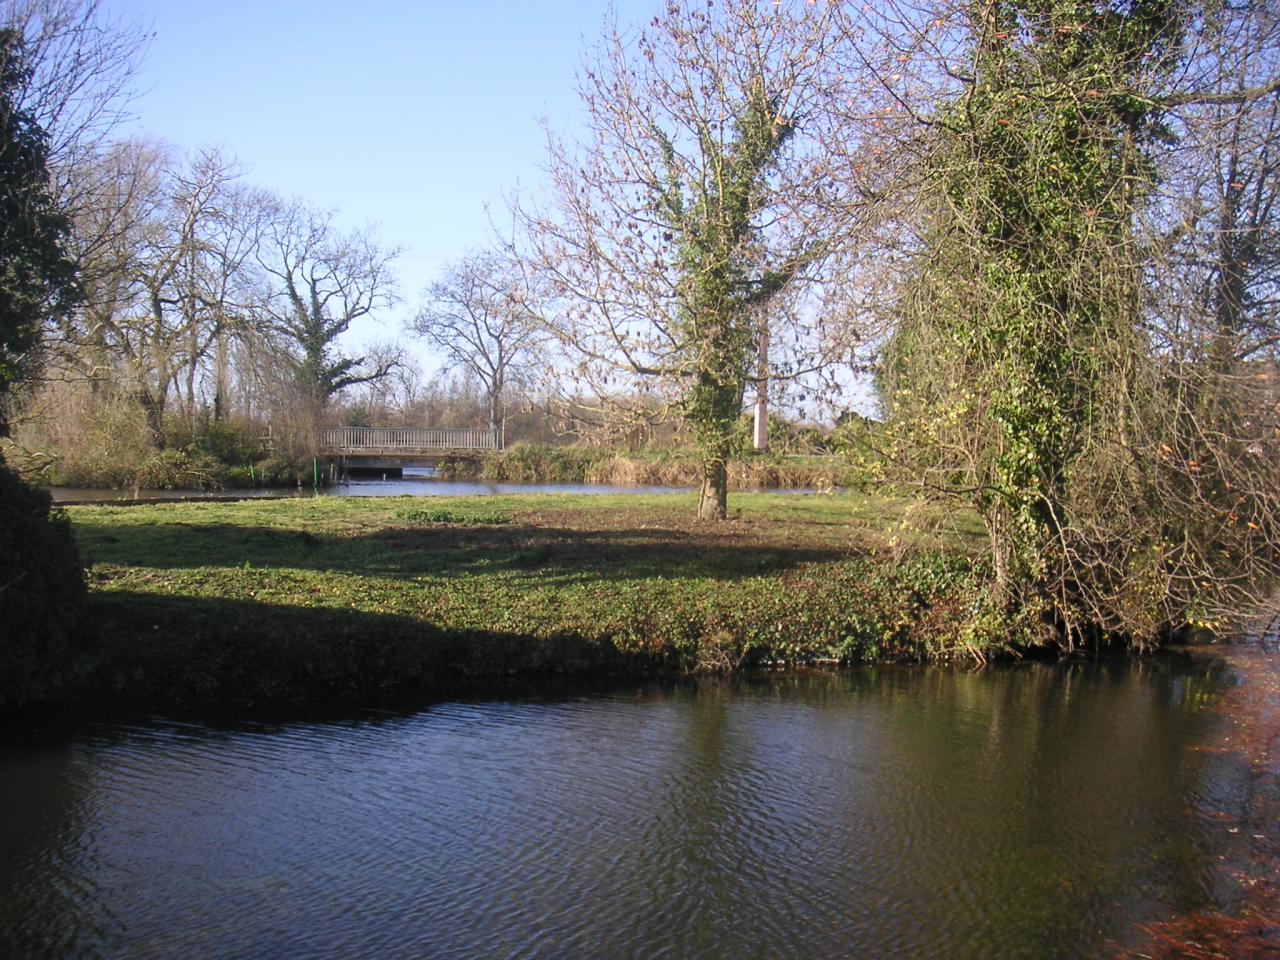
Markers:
<point>760,436</point>
<point>713,503</point>
<point>496,418</point>
<point>192,365</point>
<point>220,380</point>
<point>153,410</point>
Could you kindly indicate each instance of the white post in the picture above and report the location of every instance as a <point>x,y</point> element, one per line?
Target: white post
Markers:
<point>761,433</point>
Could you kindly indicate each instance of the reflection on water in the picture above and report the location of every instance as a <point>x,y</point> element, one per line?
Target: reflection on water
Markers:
<point>1023,812</point>
<point>416,482</point>
<point>421,483</point>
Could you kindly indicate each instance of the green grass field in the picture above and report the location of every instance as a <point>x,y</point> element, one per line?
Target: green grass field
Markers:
<point>345,597</point>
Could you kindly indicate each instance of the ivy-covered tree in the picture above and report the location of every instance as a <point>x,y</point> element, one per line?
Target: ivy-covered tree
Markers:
<point>1123,483</point>
<point>1031,273</point>
<point>689,214</point>
<point>318,282</point>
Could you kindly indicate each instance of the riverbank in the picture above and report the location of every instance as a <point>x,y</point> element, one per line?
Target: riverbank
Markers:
<point>1245,752</point>
<point>533,463</point>
<point>335,600</point>
<point>241,468</point>
<point>343,598</point>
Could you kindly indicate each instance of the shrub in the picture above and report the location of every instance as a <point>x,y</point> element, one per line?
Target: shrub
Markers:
<point>41,592</point>
<point>233,442</point>
<point>105,449</point>
<point>447,515</point>
<point>282,472</point>
<point>180,470</point>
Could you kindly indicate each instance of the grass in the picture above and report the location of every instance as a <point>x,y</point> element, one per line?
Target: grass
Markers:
<point>332,598</point>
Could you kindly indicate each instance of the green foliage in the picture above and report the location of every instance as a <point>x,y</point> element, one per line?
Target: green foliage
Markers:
<point>37,277</point>
<point>1024,307</point>
<point>232,441</point>
<point>274,472</point>
<point>442,514</point>
<point>41,585</point>
<point>856,611</point>
<point>41,594</point>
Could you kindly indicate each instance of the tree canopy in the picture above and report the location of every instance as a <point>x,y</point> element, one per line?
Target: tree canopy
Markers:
<point>37,277</point>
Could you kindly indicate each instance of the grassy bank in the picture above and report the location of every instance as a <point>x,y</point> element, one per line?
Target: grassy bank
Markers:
<point>662,468</point>
<point>335,598</point>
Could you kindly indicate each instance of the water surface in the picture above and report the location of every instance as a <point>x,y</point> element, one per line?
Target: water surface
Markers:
<point>1027,812</point>
<point>416,482</point>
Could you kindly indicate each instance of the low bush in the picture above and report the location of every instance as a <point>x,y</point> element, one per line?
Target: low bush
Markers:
<point>275,471</point>
<point>233,442</point>
<point>41,593</point>
<point>105,452</point>
<point>180,470</point>
<point>446,515</point>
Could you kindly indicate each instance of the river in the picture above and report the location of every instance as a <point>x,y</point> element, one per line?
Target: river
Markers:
<point>416,482</point>
<point>1029,811</point>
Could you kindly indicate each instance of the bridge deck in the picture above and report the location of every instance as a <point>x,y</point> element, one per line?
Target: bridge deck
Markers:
<point>405,441</point>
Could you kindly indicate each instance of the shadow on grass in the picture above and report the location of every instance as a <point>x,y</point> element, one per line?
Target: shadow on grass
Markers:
<point>183,649</point>
<point>406,552</point>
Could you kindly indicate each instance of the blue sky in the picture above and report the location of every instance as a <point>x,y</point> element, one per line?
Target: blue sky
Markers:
<point>409,116</point>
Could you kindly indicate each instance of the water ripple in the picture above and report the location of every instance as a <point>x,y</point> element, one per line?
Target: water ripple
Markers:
<point>889,814</point>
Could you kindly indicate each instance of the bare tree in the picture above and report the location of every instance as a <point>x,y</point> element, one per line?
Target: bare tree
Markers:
<point>1217,220</point>
<point>480,316</point>
<point>162,247</point>
<point>318,281</point>
<point>692,211</point>
<point>83,62</point>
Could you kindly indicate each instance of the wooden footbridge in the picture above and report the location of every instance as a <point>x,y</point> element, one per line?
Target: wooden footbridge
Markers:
<point>391,448</point>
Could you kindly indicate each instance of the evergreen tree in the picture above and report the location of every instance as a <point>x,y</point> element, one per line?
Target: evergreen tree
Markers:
<point>40,579</point>
<point>37,277</point>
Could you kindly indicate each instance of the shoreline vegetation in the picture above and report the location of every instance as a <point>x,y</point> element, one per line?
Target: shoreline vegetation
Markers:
<point>193,468</point>
<point>534,463</point>
<point>335,599</point>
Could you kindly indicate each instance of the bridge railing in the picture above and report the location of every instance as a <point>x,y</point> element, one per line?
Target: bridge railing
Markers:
<point>407,439</point>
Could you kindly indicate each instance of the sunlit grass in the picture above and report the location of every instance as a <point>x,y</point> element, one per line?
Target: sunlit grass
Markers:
<point>360,593</point>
